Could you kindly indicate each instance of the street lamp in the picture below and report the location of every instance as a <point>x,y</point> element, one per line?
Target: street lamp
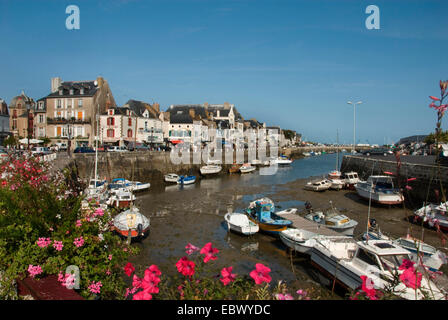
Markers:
<point>354,123</point>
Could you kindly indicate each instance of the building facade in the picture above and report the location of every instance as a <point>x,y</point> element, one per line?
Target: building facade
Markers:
<point>21,116</point>
<point>5,132</point>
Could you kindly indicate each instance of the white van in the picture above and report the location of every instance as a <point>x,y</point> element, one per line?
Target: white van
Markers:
<point>117,149</point>
<point>40,150</point>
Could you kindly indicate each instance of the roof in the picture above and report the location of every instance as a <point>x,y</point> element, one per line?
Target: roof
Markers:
<point>382,247</point>
<point>139,107</point>
<point>180,118</point>
<point>89,89</point>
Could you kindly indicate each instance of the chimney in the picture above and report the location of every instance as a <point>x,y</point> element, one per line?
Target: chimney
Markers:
<point>99,81</point>
<point>55,83</point>
<point>191,112</point>
<point>156,107</point>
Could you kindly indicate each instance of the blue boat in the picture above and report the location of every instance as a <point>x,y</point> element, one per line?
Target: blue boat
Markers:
<point>262,212</point>
<point>131,185</point>
<point>186,180</point>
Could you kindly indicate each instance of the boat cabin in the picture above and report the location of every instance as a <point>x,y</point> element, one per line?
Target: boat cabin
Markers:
<point>381,182</point>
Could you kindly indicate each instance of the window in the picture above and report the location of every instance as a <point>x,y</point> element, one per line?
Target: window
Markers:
<point>367,257</point>
<point>41,118</point>
<point>59,103</point>
<point>81,91</point>
<point>130,122</point>
<point>80,115</point>
<point>129,133</point>
<point>110,133</point>
<point>14,124</point>
<point>14,114</point>
<point>79,103</point>
<point>71,92</point>
<point>111,121</point>
<point>58,131</point>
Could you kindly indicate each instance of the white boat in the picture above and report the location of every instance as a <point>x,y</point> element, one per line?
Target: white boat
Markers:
<point>286,211</point>
<point>281,161</point>
<point>348,260</point>
<point>433,214</point>
<point>256,162</point>
<point>121,198</point>
<point>134,186</point>
<point>240,223</point>
<point>246,168</point>
<point>131,221</point>
<point>337,184</point>
<point>171,177</point>
<point>380,189</point>
<point>350,178</point>
<point>210,169</point>
<point>301,240</point>
<point>318,185</point>
<point>335,174</point>
<point>306,154</point>
<point>334,220</point>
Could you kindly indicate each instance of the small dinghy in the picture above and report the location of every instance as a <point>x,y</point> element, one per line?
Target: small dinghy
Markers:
<point>235,168</point>
<point>210,169</point>
<point>131,222</point>
<point>171,178</point>
<point>184,180</point>
<point>246,168</point>
<point>334,220</point>
<point>282,161</point>
<point>134,186</point>
<point>240,223</point>
<point>318,185</point>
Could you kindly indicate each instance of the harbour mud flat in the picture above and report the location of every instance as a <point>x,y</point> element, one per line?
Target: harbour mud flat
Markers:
<point>195,214</point>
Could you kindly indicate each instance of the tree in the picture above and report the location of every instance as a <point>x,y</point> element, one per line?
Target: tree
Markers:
<point>431,139</point>
<point>10,141</point>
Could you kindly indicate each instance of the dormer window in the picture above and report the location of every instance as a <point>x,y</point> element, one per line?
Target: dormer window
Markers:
<point>111,112</point>
<point>71,91</point>
<point>61,92</point>
<point>81,91</point>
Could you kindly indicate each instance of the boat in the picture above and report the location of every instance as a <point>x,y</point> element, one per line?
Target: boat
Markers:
<point>350,178</point>
<point>346,260</point>
<point>97,184</point>
<point>131,222</point>
<point>334,220</point>
<point>337,184</point>
<point>240,223</point>
<point>235,168</point>
<point>318,185</point>
<point>121,198</point>
<point>210,169</point>
<point>281,161</point>
<point>335,174</point>
<point>171,177</point>
<point>184,180</point>
<point>246,168</point>
<point>286,211</point>
<point>256,162</point>
<point>306,154</point>
<point>380,189</point>
<point>434,215</point>
<point>134,186</point>
<point>261,212</point>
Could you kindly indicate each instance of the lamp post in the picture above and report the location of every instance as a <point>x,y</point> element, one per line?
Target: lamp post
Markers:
<point>354,123</point>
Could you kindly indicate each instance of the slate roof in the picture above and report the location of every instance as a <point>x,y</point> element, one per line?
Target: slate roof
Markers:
<point>199,110</point>
<point>139,107</point>
<point>89,89</point>
<point>180,118</point>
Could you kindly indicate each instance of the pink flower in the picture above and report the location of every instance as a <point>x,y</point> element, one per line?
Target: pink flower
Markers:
<point>95,287</point>
<point>434,98</point>
<point>108,272</point>
<point>98,212</point>
<point>261,274</point>
<point>185,266</point>
<point>34,270</point>
<point>227,275</point>
<point>129,269</point>
<point>142,295</point>
<point>110,257</point>
<point>136,282</point>
<point>153,270</point>
<point>79,242</point>
<point>411,278</point>
<point>43,242</point>
<point>406,264</point>
<point>150,282</point>
<point>190,248</point>
<point>209,252</point>
<point>368,288</point>
<point>78,223</point>
<point>58,245</point>
<point>280,296</point>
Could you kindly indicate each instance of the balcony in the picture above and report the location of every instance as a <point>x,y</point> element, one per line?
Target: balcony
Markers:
<point>62,120</point>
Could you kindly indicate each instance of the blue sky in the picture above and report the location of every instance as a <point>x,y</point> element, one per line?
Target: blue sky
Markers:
<point>285,62</point>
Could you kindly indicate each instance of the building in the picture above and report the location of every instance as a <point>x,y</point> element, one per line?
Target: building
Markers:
<point>149,126</point>
<point>4,121</point>
<point>111,126</point>
<point>71,110</point>
<point>21,116</point>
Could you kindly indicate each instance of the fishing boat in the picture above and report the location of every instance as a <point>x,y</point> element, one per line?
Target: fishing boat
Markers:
<point>171,178</point>
<point>121,198</point>
<point>97,184</point>
<point>240,223</point>
<point>337,184</point>
<point>303,241</point>
<point>134,186</point>
<point>346,260</point>
<point>246,168</point>
<point>318,185</point>
<point>306,154</point>
<point>380,189</point>
<point>185,180</point>
<point>335,174</point>
<point>256,162</point>
<point>350,178</point>
<point>334,220</point>
<point>210,169</point>
<point>261,212</point>
<point>131,223</point>
<point>434,215</point>
<point>235,168</point>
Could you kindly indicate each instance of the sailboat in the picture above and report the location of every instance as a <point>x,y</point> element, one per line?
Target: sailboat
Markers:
<point>335,176</point>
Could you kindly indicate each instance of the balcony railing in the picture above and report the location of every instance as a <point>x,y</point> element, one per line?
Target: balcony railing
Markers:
<point>62,120</point>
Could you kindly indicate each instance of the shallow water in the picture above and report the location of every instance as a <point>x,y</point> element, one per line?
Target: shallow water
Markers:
<point>195,214</point>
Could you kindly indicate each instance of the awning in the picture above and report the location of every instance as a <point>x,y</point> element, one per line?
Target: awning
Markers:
<point>176,141</point>
<point>32,141</point>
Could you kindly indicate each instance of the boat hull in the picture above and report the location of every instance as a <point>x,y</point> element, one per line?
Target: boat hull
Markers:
<point>295,245</point>
<point>269,228</point>
<point>380,198</point>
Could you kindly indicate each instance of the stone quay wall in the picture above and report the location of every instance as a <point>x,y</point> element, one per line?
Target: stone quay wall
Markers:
<point>423,188</point>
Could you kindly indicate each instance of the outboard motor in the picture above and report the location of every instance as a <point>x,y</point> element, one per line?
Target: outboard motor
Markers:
<point>308,206</point>
<point>372,223</point>
<point>140,229</point>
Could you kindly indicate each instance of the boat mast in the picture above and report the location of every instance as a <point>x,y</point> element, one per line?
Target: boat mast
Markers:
<point>337,149</point>
<point>96,143</point>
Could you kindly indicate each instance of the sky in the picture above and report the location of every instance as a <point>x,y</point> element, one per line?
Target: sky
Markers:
<point>290,63</point>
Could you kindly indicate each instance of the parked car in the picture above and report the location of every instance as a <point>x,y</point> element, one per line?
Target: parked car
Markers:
<point>377,151</point>
<point>3,155</point>
<point>40,151</point>
<point>84,150</point>
<point>102,148</point>
<point>62,146</point>
<point>117,149</point>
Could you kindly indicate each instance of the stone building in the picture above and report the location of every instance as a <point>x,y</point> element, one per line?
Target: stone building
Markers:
<point>71,109</point>
<point>4,121</point>
<point>21,116</point>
